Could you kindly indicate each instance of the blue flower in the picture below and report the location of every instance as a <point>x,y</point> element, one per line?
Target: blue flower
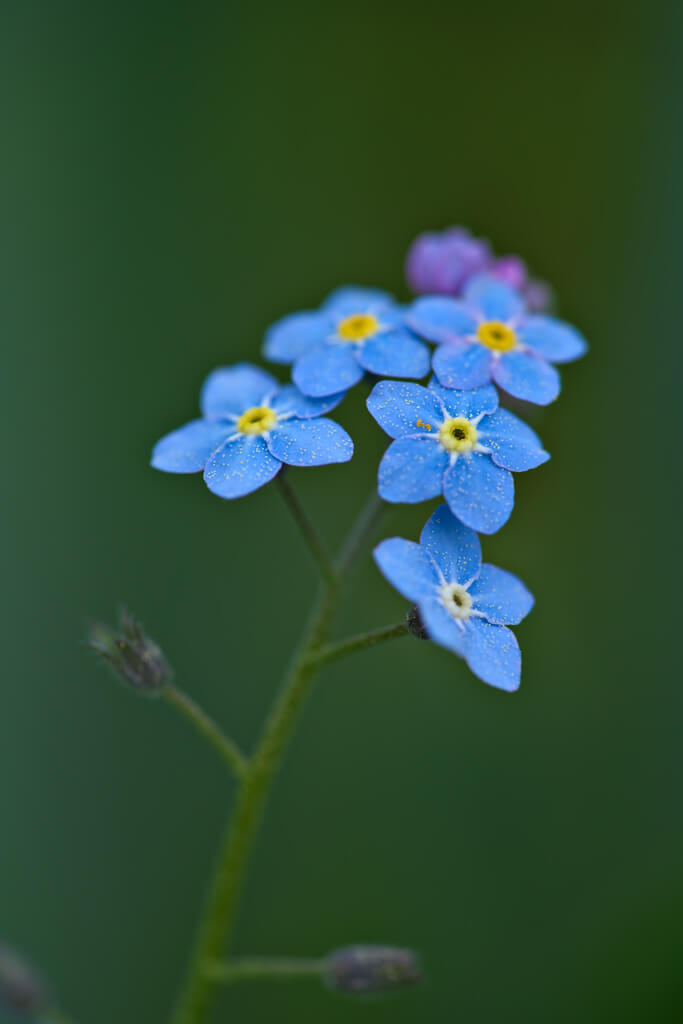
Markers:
<point>355,330</point>
<point>250,426</point>
<point>488,335</point>
<point>463,605</point>
<point>455,443</point>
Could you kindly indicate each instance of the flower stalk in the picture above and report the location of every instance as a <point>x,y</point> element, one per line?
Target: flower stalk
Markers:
<point>361,642</point>
<point>217,926</point>
<point>308,530</point>
<point>362,529</point>
<point>221,907</point>
<point>206,726</point>
<point>265,968</point>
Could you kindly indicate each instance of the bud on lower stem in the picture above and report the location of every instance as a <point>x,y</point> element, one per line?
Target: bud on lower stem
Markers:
<point>360,970</point>
<point>134,657</point>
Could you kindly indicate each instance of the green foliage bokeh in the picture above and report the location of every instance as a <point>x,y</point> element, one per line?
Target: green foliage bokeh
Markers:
<point>175,177</point>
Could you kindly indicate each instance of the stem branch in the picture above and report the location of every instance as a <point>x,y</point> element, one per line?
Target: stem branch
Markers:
<point>308,530</point>
<point>265,968</point>
<point>362,528</point>
<point>218,922</point>
<point>331,652</point>
<point>219,916</point>
<point>204,724</point>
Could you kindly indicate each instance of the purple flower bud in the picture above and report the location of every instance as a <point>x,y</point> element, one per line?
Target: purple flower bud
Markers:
<point>441,262</point>
<point>21,990</point>
<point>358,970</point>
<point>512,270</point>
<point>134,657</point>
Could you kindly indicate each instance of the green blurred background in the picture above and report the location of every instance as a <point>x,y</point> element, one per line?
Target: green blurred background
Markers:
<point>175,176</point>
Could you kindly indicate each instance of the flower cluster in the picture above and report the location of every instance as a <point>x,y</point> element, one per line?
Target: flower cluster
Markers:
<point>450,437</point>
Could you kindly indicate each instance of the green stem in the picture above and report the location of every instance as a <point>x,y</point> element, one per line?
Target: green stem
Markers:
<point>219,916</point>
<point>265,968</point>
<point>308,530</point>
<point>208,728</point>
<point>366,522</point>
<point>331,652</point>
<point>217,925</point>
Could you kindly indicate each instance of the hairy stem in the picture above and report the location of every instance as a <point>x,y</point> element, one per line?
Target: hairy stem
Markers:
<point>219,916</point>
<point>366,522</point>
<point>218,922</point>
<point>331,652</point>
<point>265,968</point>
<point>308,530</point>
<point>208,728</point>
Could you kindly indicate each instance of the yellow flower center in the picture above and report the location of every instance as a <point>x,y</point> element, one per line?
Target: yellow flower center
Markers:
<point>496,336</point>
<point>456,601</point>
<point>256,420</point>
<point>458,435</point>
<point>358,327</point>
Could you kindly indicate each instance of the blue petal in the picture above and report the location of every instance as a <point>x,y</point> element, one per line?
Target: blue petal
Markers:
<point>353,299</point>
<point>553,339</point>
<point>405,408</point>
<point>290,400</point>
<point>479,493</point>
<point>327,370</point>
<point>395,354</point>
<point>315,442</point>
<point>466,403</point>
<point>455,549</point>
<point>412,470</point>
<point>493,654</point>
<point>289,337</point>
<point>500,596</point>
<point>239,467</point>
<point>463,365</point>
<point>527,376</point>
<point>407,567</point>
<point>440,626</point>
<point>513,444</point>
<point>440,319</point>
<point>187,449</point>
<point>493,299</point>
<point>228,391</point>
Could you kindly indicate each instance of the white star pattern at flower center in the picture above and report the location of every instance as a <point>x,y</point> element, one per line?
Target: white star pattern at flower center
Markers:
<point>456,601</point>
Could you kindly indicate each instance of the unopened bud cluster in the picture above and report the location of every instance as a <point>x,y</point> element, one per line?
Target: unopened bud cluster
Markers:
<point>359,970</point>
<point>134,657</point>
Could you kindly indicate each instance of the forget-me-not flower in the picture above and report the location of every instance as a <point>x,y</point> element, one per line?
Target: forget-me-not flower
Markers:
<point>356,330</point>
<point>455,443</point>
<point>250,426</point>
<point>463,605</point>
<point>489,335</point>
